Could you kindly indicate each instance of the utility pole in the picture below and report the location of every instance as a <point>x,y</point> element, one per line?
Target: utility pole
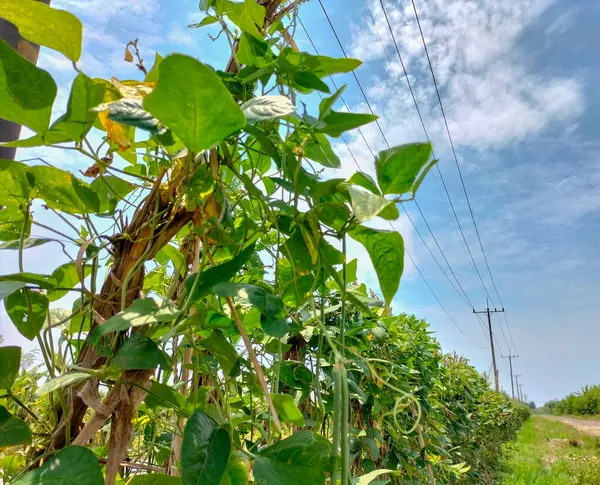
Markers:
<point>522,395</point>
<point>489,317</point>
<point>510,358</point>
<point>518,386</point>
<point>10,131</point>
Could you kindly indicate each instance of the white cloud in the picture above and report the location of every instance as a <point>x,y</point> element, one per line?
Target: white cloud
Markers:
<point>180,36</point>
<point>490,97</point>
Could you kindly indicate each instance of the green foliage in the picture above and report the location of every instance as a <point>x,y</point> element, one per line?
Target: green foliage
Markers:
<point>26,92</point>
<point>585,402</point>
<point>210,298</point>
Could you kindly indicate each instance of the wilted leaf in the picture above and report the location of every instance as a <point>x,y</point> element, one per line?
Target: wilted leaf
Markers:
<point>267,108</point>
<point>130,111</point>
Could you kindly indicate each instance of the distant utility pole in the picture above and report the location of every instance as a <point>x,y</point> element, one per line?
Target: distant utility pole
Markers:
<point>522,395</point>
<point>510,358</point>
<point>10,131</point>
<point>518,386</point>
<point>489,317</point>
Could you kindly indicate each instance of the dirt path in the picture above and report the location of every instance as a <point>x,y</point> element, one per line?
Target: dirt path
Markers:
<point>586,426</point>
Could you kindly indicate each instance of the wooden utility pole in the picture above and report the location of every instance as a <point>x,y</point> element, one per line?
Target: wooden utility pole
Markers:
<point>10,131</point>
<point>512,385</point>
<point>518,386</point>
<point>489,317</point>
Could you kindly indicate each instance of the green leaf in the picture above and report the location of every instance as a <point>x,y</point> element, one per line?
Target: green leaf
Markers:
<point>268,304</point>
<point>73,464</point>
<point>61,381</point>
<point>321,66</point>
<point>66,277</point>
<point>386,250</point>
<point>154,479</point>
<point>319,149</point>
<point>110,190</point>
<point>63,191</point>
<point>29,242</point>
<point>152,75</point>
<point>369,477</point>
<point>398,168</point>
<point>26,92</point>
<point>10,360</point>
<point>163,396</point>
<point>9,287</point>
<point>327,103</point>
<point>237,471</point>
<point>254,52</point>
<point>205,450</point>
<point>246,16</point>
<point>303,458</point>
<point>27,309</point>
<point>217,274</point>
<point>140,352</point>
<point>223,351</point>
<point>43,281</point>
<point>287,410</point>
<point>13,430</point>
<point>50,27</point>
<point>191,100</point>
<point>367,205</point>
<point>208,20</point>
<point>176,257</point>
<point>339,122</point>
<point>366,181</point>
<point>78,120</point>
<point>15,184</point>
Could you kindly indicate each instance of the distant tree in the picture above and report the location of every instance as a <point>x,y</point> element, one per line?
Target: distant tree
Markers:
<point>531,405</point>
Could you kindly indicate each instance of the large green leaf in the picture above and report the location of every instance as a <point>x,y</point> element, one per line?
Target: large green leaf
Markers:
<point>237,471</point>
<point>9,287</point>
<point>205,450</point>
<point>13,431</point>
<point>26,92</point>
<point>246,16</point>
<point>319,149</point>
<point>268,304</point>
<point>254,52</point>
<point>60,382</point>
<point>143,311</point>
<point>386,250</point>
<point>78,120</point>
<point>287,410</point>
<point>110,190</point>
<point>191,100</point>
<point>27,309</point>
<point>223,351</point>
<point>398,168</point>
<point>50,27</point>
<point>321,66</point>
<point>303,458</point>
<point>43,281</point>
<point>140,352</point>
<point>163,396</point>
<point>63,191</point>
<point>15,184</point>
<point>66,277</point>
<point>73,464</point>
<point>367,205</point>
<point>337,123</point>
<point>216,274</point>
<point>10,360</point>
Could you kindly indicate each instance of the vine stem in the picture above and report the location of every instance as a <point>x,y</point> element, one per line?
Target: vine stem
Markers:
<point>257,368</point>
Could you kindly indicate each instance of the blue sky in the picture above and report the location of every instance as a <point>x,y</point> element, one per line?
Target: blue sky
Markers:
<point>518,80</point>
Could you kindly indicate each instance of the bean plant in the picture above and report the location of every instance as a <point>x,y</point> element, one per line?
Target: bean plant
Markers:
<point>218,333</point>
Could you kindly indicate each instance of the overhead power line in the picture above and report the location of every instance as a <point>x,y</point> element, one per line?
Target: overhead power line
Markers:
<point>457,164</point>
<point>371,151</point>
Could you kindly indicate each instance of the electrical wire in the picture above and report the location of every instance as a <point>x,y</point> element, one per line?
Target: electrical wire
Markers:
<point>371,151</point>
<point>459,170</point>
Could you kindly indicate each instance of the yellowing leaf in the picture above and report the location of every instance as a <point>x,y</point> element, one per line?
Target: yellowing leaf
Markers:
<point>133,89</point>
<point>115,131</point>
<point>128,55</point>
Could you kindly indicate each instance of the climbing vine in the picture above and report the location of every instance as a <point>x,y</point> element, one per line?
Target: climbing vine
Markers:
<point>219,334</point>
